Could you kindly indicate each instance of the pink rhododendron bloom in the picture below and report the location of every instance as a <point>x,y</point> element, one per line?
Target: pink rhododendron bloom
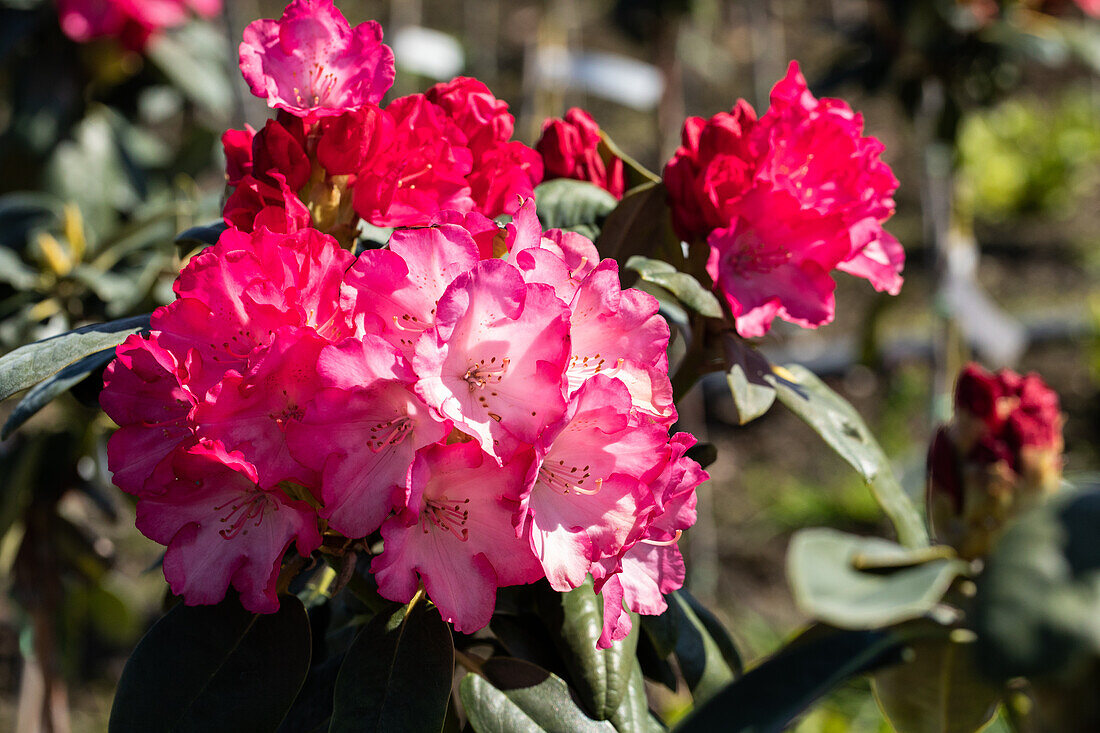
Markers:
<point>401,286</point>
<point>815,151</point>
<point>774,261</point>
<point>222,529</point>
<point>456,535</point>
<point>504,171</point>
<point>232,297</point>
<point>494,364</point>
<point>132,22</point>
<point>311,61</point>
<point>483,119</point>
<point>250,412</point>
<point>586,491</point>
<point>148,392</point>
<point>258,204</point>
<point>570,149</point>
<point>419,171</point>
<point>783,200</point>
<point>504,175</point>
<point>653,567</point>
<point>710,171</point>
<point>619,334</point>
<point>362,432</point>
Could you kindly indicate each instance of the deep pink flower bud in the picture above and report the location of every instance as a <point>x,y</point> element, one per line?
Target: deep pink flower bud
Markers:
<point>569,149</point>
<point>1000,454</point>
<point>482,117</point>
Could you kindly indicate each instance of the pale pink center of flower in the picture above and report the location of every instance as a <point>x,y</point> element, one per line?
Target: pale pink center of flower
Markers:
<point>386,434</point>
<point>320,84</point>
<point>567,479</point>
<point>450,515</point>
<point>587,366</point>
<point>241,510</point>
<point>482,373</point>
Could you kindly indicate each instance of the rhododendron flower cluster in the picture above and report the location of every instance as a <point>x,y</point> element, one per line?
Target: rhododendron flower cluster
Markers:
<point>497,419</point>
<point>333,155</point>
<point>570,149</point>
<point>783,200</point>
<point>1000,454</point>
<point>131,22</point>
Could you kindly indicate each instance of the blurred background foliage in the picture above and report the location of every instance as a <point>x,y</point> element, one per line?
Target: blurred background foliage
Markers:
<point>990,113</point>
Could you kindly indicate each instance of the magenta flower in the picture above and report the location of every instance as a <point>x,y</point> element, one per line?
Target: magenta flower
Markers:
<point>250,412</point>
<point>419,171</point>
<point>233,296</point>
<point>586,493</point>
<point>783,201</point>
<point>456,535</point>
<point>132,22</point>
<point>816,152</point>
<point>774,261</point>
<point>483,119</point>
<point>362,432</point>
<point>312,62</point>
<point>570,149</point>
<point>618,333</point>
<point>222,529</point>
<point>399,287</point>
<point>147,392</point>
<point>652,567</point>
<point>494,364</point>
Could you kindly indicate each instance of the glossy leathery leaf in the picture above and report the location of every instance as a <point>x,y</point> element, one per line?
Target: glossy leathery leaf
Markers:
<point>214,668</point>
<point>47,390</point>
<point>28,365</point>
<point>682,285</point>
<point>513,695</point>
<point>397,674</point>
<point>841,427</point>
<point>866,582</point>
<point>576,206</point>
<point>771,695</point>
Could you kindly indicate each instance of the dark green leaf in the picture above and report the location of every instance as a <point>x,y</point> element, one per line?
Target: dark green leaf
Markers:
<point>937,690</point>
<point>214,668</point>
<point>640,225</point>
<point>576,206</point>
<point>516,696</point>
<point>837,578</point>
<point>685,287</point>
<point>717,632</point>
<point>632,715</point>
<point>397,674</point>
<point>769,697</point>
<point>701,660</point>
<point>45,391</point>
<point>1038,600</point>
<point>601,676</point>
<point>201,236</point>
<point>839,425</point>
<point>748,378</point>
<point>28,365</point>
